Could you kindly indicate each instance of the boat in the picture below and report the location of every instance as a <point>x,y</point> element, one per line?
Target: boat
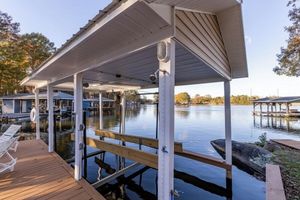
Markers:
<point>247,157</point>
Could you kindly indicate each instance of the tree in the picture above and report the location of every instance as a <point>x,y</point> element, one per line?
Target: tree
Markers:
<point>289,57</point>
<point>37,48</point>
<point>182,98</point>
<point>132,96</point>
<point>18,52</point>
<point>10,54</point>
<point>8,29</point>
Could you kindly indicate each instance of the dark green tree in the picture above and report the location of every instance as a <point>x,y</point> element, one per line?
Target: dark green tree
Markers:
<point>18,52</point>
<point>37,48</point>
<point>289,57</point>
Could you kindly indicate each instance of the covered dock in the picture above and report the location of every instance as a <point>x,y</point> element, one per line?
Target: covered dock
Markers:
<point>277,107</point>
<point>18,106</point>
<point>144,44</point>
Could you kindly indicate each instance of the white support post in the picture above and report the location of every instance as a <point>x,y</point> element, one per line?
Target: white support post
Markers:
<point>50,118</point>
<point>78,97</point>
<point>14,106</point>
<point>123,112</point>
<point>100,111</point>
<point>228,143</point>
<point>37,114</point>
<point>60,106</point>
<point>166,124</point>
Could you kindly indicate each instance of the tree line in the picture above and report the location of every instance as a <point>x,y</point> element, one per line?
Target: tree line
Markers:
<point>19,54</point>
<point>184,98</point>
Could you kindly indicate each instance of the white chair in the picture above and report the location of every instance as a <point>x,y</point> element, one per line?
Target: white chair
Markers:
<point>11,131</point>
<point>4,147</point>
<point>9,134</point>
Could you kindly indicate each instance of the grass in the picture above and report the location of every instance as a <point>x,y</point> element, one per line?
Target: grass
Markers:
<point>289,162</point>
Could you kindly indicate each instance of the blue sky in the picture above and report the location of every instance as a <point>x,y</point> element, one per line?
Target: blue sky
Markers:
<point>264,22</point>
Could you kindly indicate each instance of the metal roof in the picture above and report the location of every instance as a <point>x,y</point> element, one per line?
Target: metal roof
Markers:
<point>290,99</point>
<point>122,38</point>
<point>262,100</point>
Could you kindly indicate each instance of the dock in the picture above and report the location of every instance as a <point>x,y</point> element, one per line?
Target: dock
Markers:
<point>42,175</point>
<point>288,143</point>
<point>274,107</point>
<point>274,185</point>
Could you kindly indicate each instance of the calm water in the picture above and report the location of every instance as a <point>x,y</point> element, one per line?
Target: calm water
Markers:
<point>195,127</point>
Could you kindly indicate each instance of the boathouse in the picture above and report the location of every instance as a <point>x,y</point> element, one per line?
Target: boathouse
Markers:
<point>277,107</point>
<point>23,103</point>
<point>148,44</point>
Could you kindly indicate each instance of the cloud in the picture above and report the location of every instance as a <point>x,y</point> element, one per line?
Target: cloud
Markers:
<point>248,40</point>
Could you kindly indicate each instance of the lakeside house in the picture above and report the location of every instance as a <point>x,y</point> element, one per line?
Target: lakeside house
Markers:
<point>145,44</point>
<point>63,102</point>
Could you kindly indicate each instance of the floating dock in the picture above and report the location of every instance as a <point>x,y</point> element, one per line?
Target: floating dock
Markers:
<point>39,174</point>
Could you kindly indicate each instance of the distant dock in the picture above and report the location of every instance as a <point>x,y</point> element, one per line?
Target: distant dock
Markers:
<point>276,107</point>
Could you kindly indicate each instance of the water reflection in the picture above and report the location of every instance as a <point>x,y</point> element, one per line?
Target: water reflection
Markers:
<point>284,124</point>
<point>183,112</point>
<point>195,127</point>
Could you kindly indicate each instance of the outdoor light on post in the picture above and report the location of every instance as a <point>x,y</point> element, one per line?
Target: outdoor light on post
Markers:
<point>163,51</point>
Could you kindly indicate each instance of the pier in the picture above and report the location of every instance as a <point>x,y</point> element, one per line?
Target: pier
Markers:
<point>276,107</point>
<point>39,174</point>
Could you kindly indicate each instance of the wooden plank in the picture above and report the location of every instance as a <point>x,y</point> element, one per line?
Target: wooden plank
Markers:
<point>289,143</point>
<point>204,158</point>
<point>178,148</point>
<point>139,156</point>
<point>275,190</point>
<point>42,175</point>
<point>135,139</point>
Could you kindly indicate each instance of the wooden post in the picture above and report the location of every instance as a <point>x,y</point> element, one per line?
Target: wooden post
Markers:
<point>260,106</point>
<point>228,142</point>
<point>166,122</point>
<point>272,111</point>
<point>50,118</point>
<point>78,96</point>
<point>280,107</point>
<point>100,111</point>
<point>37,114</point>
<point>287,108</point>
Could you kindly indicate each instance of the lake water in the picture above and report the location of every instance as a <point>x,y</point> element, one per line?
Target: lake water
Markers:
<point>195,127</point>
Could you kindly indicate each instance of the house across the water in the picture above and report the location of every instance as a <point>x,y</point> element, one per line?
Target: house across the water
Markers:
<point>63,102</point>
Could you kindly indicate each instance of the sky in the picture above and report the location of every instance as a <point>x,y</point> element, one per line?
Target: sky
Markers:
<point>264,22</point>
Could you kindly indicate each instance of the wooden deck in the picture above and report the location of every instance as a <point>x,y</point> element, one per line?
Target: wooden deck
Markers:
<point>42,175</point>
<point>289,143</point>
<point>275,190</point>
